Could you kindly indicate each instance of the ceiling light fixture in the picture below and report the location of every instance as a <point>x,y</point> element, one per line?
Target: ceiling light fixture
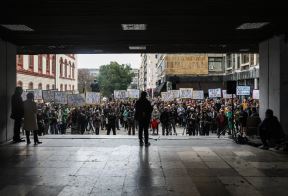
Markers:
<point>133,27</point>
<point>137,47</point>
<point>17,27</point>
<point>244,50</point>
<point>253,25</point>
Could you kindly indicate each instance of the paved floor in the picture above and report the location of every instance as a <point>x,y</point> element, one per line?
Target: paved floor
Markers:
<point>118,166</point>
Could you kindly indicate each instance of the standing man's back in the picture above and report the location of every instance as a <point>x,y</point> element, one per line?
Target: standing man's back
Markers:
<point>17,113</point>
<point>143,115</point>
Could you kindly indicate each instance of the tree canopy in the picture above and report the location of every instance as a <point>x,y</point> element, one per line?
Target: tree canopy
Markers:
<point>114,77</point>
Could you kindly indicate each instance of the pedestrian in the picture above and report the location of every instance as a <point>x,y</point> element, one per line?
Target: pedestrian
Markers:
<point>30,118</point>
<point>17,113</point>
<point>143,116</point>
<point>271,131</point>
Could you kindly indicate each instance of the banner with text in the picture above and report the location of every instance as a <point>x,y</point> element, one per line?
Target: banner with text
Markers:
<point>37,93</point>
<point>186,93</point>
<point>92,97</point>
<point>120,94</point>
<point>75,99</point>
<point>214,93</point>
<point>243,90</point>
<point>198,94</point>
<point>167,96</point>
<point>227,96</point>
<point>48,95</point>
<point>255,94</point>
<point>133,93</point>
<point>60,97</point>
<point>175,94</point>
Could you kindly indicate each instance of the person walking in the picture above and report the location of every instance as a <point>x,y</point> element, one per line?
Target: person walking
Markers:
<point>17,113</point>
<point>143,111</point>
<point>30,118</point>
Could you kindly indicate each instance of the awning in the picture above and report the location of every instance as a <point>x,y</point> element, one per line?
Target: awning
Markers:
<point>159,88</point>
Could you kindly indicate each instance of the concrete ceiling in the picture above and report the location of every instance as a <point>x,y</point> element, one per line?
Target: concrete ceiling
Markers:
<point>92,26</point>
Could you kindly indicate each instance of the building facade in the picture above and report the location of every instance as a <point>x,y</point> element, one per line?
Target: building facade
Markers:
<point>135,80</point>
<point>47,71</point>
<point>148,72</point>
<point>199,71</point>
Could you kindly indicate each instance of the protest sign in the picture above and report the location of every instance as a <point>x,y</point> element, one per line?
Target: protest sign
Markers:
<point>37,93</point>
<point>214,93</point>
<point>255,94</point>
<point>60,97</point>
<point>186,92</point>
<point>227,96</point>
<point>75,99</point>
<point>48,95</point>
<point>92,98</point>
<point>120,94</point>
<point>199,94</point>
<point>175,94</point>
<point>133,93</point>
<point>243,90</point>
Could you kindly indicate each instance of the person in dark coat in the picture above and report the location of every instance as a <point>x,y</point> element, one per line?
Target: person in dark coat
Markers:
<point>17,113</point>
<point>143,115</point>
<point>271,131</point>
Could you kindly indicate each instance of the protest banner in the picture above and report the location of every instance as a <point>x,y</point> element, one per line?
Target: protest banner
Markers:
<point>133,93</point>
<point>48,95</point>
<point>214,93</point>
<point>120,94</point>
<point>255,94</point>
<point>198,94</point>
<point>175,94</point>
<point>75,100</point>
<point>227,96</point>
<point>92,98</point>
<point>186,92</point>
<point>243,90</point>
<point>164,96</point>
<point>37,93</point>
<point>60,97</point>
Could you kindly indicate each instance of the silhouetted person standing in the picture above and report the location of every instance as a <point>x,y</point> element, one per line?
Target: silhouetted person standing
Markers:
<point>17,113</point>
<point>143,115</point>
<point>30,118</point>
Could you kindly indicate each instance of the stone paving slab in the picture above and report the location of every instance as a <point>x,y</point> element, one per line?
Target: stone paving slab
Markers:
<point>119,166</point>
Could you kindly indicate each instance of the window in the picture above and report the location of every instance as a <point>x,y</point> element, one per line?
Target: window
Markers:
<point>40,64</point>
<point>245,58</point>
<point>65,87</point>
<point>215,63</point>
<point>61,87</point>
<point>19,61</point>
<point>48,64</point>
<point>40,86</point>
<point>30,85</point>
<point>53,86</point>
<point>65,65</point>
<point>61,67</point>
<point>47,87</point>
<point>73,87</point>
<point>31,63</point>
<point>54,65</point>
<point>69,86</point>
<point>20,83</point>
<point>73,70</point>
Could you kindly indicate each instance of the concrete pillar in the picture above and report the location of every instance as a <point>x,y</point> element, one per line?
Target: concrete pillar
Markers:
<point>273,81</point>
<point>7,87</point>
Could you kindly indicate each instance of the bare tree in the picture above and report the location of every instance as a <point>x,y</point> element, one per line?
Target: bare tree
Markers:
<point>84,80</point>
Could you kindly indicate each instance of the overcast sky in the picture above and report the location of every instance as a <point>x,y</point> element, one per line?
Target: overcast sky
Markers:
<point>96,60</point>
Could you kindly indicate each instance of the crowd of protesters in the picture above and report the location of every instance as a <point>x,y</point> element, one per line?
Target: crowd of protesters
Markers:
<point>194,117</point>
